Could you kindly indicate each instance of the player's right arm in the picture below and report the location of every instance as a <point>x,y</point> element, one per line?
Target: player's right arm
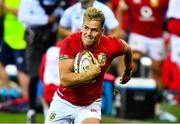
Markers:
<point>69,78</point>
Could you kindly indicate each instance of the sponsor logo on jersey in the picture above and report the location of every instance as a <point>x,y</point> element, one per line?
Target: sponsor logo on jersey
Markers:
<point>146,14</point>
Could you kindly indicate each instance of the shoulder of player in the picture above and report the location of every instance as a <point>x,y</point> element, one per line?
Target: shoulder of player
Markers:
<point>108,38</point>
<point>75,35</point>
<point>73,39</point>
<point>111,40</point>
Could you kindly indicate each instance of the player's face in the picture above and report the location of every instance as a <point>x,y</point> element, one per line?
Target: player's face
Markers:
<point>92,30</point>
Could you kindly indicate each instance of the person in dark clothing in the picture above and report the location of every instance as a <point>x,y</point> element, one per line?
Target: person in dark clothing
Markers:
<point>1,22</point>
<point>41,18</point>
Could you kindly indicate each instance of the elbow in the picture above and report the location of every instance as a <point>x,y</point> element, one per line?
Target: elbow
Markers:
<point>64,85</point>
<point>63,82</point>
<point>60,32</point>
<point>128,51</point>
<point>68,83</point>
<point>63,32</point>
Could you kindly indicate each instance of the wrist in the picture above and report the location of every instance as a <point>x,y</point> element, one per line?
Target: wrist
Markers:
<point>128,71</point>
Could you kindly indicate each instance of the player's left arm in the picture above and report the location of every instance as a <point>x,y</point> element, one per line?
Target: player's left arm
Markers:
<point>128,63</point>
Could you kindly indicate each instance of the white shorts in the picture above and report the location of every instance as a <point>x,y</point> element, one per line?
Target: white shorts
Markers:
<point>153,47</point>
<point>61,111</point>
<point>175,48</point>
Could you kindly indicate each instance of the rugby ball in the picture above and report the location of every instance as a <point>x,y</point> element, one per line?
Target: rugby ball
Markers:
<point>82,60</point>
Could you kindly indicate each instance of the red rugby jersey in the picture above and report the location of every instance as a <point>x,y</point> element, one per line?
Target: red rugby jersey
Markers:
<point>174,26</point>
<point>86,93</point>
<point>147,16</point>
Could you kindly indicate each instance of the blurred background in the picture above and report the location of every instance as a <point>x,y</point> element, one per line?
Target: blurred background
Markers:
<point>31,34</point>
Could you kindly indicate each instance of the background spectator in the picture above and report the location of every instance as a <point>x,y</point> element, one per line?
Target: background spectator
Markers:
<point>173,28</point>
<point>69,24</point>
<point>49,74</point>
<point>13,47</point>
<point>40,18</point>
<point>1,21</point>
<point>171,67</point>
<point>146,36</point>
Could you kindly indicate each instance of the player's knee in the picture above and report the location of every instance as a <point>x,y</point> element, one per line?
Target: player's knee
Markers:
<point>156,70</point>
<point>91,121</point>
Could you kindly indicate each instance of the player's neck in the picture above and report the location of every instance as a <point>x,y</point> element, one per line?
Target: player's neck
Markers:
<point>91,46</point>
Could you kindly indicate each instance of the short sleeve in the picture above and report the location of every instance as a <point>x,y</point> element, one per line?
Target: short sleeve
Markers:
<point>66,51</point>
<point>70,46</point>
<point>118,46</point>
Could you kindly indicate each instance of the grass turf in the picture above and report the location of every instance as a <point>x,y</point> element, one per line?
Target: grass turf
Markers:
<point>6,117</point>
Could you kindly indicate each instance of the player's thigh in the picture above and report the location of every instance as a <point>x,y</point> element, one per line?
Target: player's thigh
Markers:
<point>137,43</point>
<point>60,111</point>
<point>175,50</point>
<point>60,121</point>
<point>91,121</point>
<point>92,114</point>
<point>156,49</point>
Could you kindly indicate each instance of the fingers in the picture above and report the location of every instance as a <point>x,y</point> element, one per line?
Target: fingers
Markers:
<point>124,79</point>
<point>96,61</point>
<point>95,67</point>
<point>120,80</point>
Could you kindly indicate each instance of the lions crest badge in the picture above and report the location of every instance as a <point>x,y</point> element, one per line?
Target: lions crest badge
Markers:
<point>52,116</point>
<point>102,58</point>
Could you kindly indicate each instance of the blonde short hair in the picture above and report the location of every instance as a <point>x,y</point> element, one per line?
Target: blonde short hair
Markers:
<point>94,14</point>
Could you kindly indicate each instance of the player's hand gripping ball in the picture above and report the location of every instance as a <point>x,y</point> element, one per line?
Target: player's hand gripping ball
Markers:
<point>82,61</point>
